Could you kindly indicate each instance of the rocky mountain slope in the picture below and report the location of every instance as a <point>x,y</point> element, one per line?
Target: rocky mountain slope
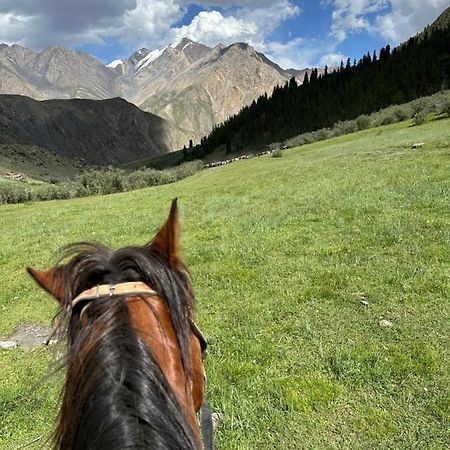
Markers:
<point>190,84</point>
<point>104,132</point>
<point>200,93</point>
<point>56,72</point>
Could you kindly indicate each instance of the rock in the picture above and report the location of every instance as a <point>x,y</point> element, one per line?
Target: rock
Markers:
<point>418,144</point>
<point>364,302</point>
<point>8,345</point>
<point>385,323</point>
<point>30,335</point>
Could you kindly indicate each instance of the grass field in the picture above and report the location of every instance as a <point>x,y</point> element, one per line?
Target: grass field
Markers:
<point>282,251</point>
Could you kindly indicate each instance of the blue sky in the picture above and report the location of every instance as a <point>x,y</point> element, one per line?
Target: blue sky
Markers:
<point>298,34</point>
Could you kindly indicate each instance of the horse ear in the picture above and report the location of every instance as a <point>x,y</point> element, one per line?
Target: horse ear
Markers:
<point>50,280</point>
<point>167,240</point>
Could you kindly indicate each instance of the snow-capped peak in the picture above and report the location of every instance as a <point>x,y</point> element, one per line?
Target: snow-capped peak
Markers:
<point>115,63</point>
<point>182,44</point>
<point>151,56</point>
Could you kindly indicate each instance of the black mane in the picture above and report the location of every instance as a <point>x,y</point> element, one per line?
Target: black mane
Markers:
<point>118,397</point>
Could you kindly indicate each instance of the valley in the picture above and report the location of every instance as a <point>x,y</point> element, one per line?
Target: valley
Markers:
<point>294,260</point>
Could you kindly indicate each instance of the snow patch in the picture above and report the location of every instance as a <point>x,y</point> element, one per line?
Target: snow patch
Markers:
<point>115,63</point>
<point>187,45</point>
<point>144,62</point>
<point>178,43</point>
<point>175,44</point>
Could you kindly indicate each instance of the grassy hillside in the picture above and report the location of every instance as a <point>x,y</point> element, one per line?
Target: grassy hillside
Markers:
<point>282,251</point>
<point>36,163</point>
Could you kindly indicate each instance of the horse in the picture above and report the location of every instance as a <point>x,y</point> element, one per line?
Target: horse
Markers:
<point>134,363</point>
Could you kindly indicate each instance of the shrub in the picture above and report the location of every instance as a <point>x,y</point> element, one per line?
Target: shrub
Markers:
<point>10,193</point>
<point>322,134</point>
<point>420,104</point>
<point>420,117</point>
<point>446,107</point>
<point>387,118</point>
<point>363,122</point>
<point>400,114</point>
<point>277,153</point>
<point>275,146</point>
<point>99,182</point>
<point>342,128</point>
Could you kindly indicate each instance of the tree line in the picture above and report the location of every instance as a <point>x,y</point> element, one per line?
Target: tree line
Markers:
<point>419,67</point>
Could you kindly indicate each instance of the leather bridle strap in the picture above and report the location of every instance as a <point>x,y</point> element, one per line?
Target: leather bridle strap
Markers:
<point>110,290</point>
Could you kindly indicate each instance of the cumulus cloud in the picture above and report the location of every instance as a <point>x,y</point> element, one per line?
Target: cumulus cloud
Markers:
<point>394,20</point>
<point>212,27</point>
<point>50,22</point>
<point>407,18</point>
<point>351,16</point>
<point>243,22</point>
<point>332,59</point>
<point>270,16</point>
<point>11,26</point>
<point>229,3</point>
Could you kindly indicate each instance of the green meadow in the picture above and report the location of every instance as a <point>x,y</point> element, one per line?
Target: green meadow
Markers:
<point>295,260</point>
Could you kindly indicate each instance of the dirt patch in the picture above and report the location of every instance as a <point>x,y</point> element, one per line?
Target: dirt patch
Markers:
<point>29,335</point>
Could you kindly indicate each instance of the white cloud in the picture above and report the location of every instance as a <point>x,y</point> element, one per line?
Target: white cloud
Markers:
<point>229,3</point>
<point>394,20</point>
<point>212,27</point>
<point>41,23</point>
<point>407,18</point>
<point>150,19</point>
<point>350,16</point>
<point>251,22</point>
<point>12,26</point>
<point>332,59</point>
<point>270,16</point>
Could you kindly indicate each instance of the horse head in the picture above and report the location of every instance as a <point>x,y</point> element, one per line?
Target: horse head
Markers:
<point>134,371</point>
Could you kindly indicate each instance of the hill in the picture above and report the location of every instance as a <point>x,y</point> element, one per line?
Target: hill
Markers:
<point>295,261</point>
<point>442,22</point>
<point>87,132</point>
<point>417,68</point>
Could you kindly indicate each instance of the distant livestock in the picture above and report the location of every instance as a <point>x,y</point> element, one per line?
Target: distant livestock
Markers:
<point>229,161</point>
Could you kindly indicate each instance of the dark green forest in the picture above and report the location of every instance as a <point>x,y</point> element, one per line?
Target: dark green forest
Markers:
<point>419,67</point>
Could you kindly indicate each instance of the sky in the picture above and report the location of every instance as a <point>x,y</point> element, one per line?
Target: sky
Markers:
<point>295,34</point>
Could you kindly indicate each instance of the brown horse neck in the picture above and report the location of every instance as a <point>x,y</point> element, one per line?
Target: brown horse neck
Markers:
<point>150,317</point>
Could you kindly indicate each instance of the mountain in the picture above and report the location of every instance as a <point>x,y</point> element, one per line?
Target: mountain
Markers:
<point>194,86</point>
<point>199,88</point>
<point>443,21</point>
<point>56,72</point>
<point>417,68</point>
<point>101,133</point>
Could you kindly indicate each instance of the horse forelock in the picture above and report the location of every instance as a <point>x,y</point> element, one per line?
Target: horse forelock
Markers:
<point>93,264</point>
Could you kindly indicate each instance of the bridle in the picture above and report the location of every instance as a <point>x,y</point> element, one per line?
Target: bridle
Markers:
<point>139,288</point>
<point>127,289</point>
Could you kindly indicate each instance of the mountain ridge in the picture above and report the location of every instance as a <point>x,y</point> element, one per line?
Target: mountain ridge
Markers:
<point>94,132</point>
<point>164,81</point>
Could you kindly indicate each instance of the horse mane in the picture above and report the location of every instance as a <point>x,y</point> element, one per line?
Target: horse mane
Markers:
<point>134,406</point>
